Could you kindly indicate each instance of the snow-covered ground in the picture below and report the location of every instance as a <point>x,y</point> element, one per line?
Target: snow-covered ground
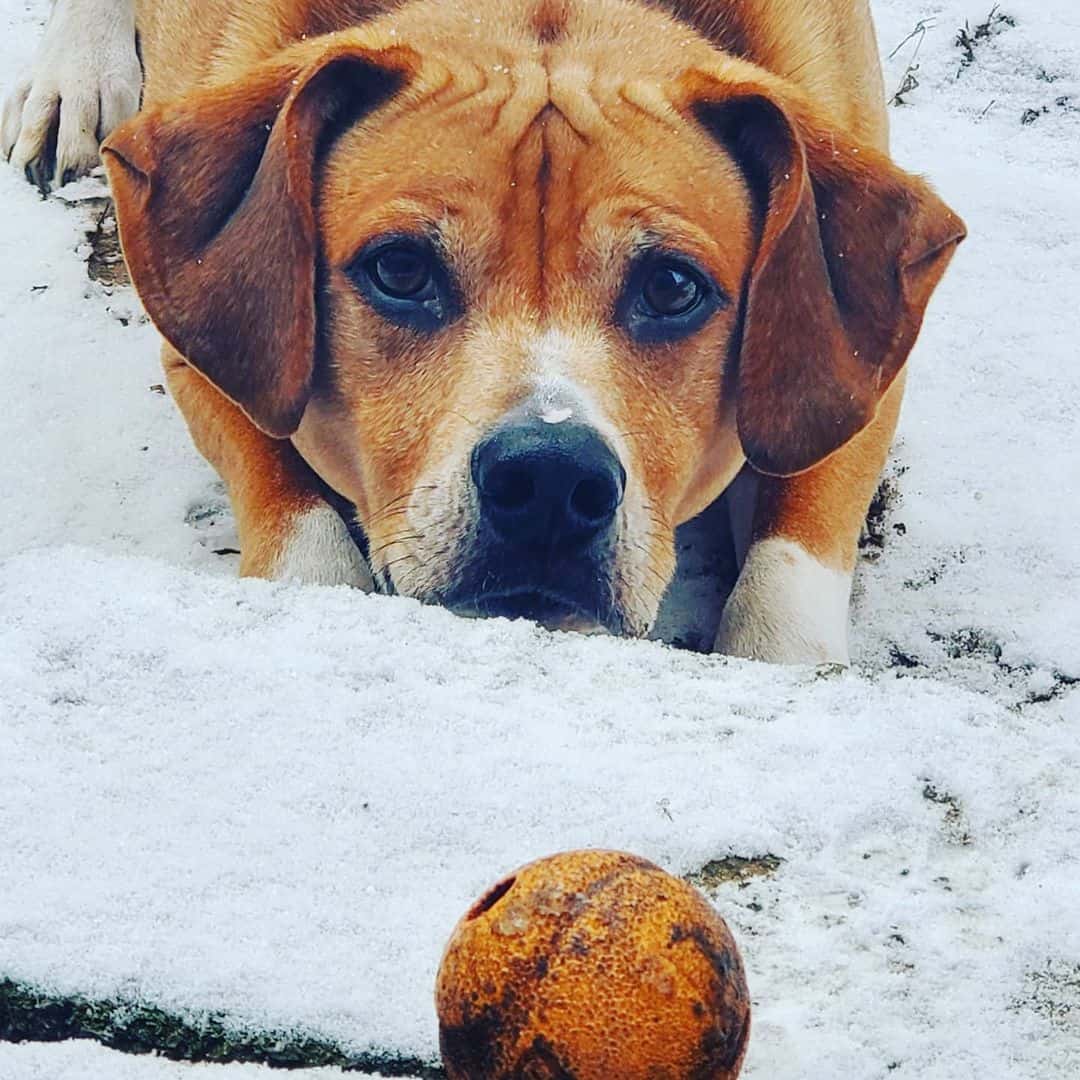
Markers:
<point>269,805</point>
<point>87,1061</point>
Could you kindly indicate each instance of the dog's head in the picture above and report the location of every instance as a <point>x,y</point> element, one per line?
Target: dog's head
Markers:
<point>528,292</point>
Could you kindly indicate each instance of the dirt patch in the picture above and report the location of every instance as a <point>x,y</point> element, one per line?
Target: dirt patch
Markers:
<point>1039,685</point>
<point>1053,993</point>
<point>1061,106</point>
<point>969,39</point>
<point>881,524</point>
<point>734,869</point>
<point>955,828</point>
<point>936,570</point>
<point>105,264</point>
<point>28,1014</point>
<point>975,657</point>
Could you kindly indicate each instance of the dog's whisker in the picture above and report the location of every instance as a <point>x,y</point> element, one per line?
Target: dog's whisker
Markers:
<point>386,568</point>
<point>650,569</point>
<point>393,507</point>
<point>657,517</point>
<point>394,512</point>
<point>405,495</point>
<point>462,416</point>
<point>400,539</point>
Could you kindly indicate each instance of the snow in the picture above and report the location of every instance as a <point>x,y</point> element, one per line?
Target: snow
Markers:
<point>88,1061</point>
<point>989,434</point>
<point>183,774</point>
<point>273,803</point>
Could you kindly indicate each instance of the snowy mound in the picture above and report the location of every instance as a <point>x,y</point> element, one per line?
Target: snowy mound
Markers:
<point>274,802</point>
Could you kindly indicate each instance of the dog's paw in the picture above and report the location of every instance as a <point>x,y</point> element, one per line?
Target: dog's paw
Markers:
<point>85,80</point>
<point>786,608</point>
<point>316,549</point>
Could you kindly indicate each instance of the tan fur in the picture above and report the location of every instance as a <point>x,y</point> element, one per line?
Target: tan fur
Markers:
<point>542,141</point>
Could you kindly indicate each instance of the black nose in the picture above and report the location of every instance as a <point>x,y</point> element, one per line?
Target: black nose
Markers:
<point>547,485</point>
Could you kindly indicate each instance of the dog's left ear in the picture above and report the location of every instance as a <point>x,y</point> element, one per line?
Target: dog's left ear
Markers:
<point>851,248</point>
<point>215,198</point>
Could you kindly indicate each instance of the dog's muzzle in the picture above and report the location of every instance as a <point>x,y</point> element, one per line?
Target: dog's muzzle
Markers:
<point>547,496</point>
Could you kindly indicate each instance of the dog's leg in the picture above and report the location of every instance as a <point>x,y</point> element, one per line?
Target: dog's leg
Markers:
<point>790,603</point>
<point>85,80</point>
<point>287,529</point>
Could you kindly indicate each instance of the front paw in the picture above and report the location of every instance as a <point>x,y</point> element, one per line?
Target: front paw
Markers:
<point>86,80</point>
<point>315,548</point>
<point>786,608</point>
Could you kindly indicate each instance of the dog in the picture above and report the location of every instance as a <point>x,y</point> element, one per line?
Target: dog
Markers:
<point>521,285</point>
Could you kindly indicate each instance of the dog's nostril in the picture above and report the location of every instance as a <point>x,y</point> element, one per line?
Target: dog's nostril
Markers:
<point>595,498</point>
<point>509,489</point>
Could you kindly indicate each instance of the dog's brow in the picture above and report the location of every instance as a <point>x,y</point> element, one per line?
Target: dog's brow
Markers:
<point>571,94</point>
<point>648,100</point>
<point>527,96</point>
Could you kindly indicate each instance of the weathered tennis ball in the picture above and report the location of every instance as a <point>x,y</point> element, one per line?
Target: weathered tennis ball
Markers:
<point>592,965</point>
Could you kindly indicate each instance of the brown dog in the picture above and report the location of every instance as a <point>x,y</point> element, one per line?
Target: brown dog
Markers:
<point>529,283</point>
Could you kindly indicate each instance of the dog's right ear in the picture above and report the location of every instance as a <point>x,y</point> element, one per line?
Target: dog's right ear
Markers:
<point>851,249</point>
<point>215,204</point>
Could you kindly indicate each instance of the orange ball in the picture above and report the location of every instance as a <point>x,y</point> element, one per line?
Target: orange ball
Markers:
<point>592,965</point>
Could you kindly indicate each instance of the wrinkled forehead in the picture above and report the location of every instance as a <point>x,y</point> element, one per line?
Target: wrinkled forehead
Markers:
<point>537,164</point>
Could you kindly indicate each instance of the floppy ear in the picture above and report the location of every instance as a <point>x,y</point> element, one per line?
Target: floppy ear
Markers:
<point>214,199</point>
<point>851,248</point>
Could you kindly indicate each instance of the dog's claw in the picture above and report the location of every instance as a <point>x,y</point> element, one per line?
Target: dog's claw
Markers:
<point>39,173</point>
<point>86,80</point>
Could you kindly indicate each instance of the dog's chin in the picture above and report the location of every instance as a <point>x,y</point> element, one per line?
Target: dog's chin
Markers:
<point>548,609</point>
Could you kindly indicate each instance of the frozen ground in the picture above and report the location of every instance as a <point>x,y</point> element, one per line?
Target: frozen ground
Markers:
<point>267,806</point>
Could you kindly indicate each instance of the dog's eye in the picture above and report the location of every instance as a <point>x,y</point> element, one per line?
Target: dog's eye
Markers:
<point>400,272</point>
<point>672,290</point>
<point>405,281</point>
<point>666,297</point>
